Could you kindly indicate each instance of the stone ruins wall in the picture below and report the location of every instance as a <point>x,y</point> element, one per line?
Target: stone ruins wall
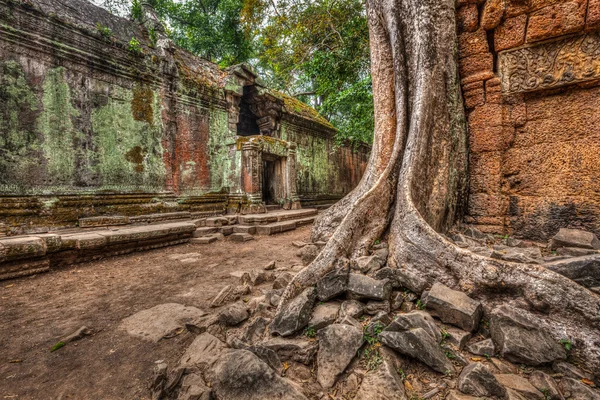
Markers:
<point>93,124</point>
<point>530,71</point>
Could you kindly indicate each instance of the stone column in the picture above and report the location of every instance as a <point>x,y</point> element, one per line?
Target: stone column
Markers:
<point>252,178</point>
<point>291,180</point>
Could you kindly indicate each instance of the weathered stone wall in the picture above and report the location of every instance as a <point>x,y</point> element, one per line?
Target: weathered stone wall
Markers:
<point>530,71</point>
<point>92,123</point>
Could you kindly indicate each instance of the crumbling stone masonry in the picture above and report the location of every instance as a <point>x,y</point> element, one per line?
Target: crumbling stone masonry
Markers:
<point>105,117</point>
<point>530,71</point>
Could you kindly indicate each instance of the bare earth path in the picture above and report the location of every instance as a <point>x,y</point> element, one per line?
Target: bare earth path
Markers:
<point>36,312</point>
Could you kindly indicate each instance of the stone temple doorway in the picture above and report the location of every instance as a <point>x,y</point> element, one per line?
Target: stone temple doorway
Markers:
<point>273,179</point>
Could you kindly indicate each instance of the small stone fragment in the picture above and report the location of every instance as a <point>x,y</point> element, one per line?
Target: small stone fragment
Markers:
<point>453,307</point>
<point>338,345</point>
<point>519,385</point>
<point>570,370</point>
<point>282,280</point>
<point>324,315</point>
<point>352,308</point>
<point>295,315</point>
<point>476,380</point>
<point>575,390</point>
<point>234,314</point>
<point>584,270</point>
<point>545,384</point>
<point>333,284</point>
<point>382,384</point>
<point>375,307</point>
<point>418,343</point>
<point>270,266</point>
<point>308,253</point>
<point>482,348</point>
<point>367,264</point>
<point>241,237</point>
<point>296,349</point>
<point>204,350</point>
<point>457,337</point>
<point>416,319</point>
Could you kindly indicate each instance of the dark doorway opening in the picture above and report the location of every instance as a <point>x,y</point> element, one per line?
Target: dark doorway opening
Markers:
<point>247,125</point>
<point>273,182</point>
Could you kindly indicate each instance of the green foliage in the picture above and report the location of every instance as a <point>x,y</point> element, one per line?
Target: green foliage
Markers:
<point>567,343</point>
<point>105,31</point>
<point>310,332</point>
<point>420,305</point>
<point>135,46</point>
<point>372,358</point>
<point>136,10</point>
<point>153,36</point>
<point>372,337</point>
<point>57,346</point>
<point>445,333</point>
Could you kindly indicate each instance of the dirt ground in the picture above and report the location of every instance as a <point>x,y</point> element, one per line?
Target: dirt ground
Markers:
<point>37,312</point>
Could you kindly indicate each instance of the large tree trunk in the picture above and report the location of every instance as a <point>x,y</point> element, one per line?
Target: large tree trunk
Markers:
<point>415,183</point>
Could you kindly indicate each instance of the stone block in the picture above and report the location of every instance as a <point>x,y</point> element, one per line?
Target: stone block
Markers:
<point>453,307</point>
<point>575,238</point>
<point>511,33</point>
<point>226,230</point>
<point>204,240</point>
<point>333,284</point>
<point>477,380</point>
<point>369,288</point>
<point>241,237</point>
<point>295,315</point>
<point>584,270</point>
<point>217,222</point>
<point>277,227</point>
<point>593,14</point>
<point>18,248</point>
<point>492,13</point>
<point>520,385</point>
<point>556,20</point>
<point>471,43</point>
<point>479,65</point>
<point>93,222</point>
<point>205,231</point>
<point>324,315</point>
<point>467,18</point>
<point>474,97</point>
<point>250,229</point>
<point>483,348</point>
<point>338,345</point>
<point>517,7</point>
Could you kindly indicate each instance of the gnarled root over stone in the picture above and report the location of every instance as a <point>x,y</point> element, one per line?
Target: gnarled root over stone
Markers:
<point>415,183</point>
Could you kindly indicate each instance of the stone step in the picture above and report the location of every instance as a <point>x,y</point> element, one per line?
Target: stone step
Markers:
<point>273,207</point>
<point>305,221</point>
<point>241,237</point>
<point>276,216</point>
<point>251,229</point>
<point>226,230</point>
<point>204,240</point>
<point>205,231</point>
<point>276,227</point>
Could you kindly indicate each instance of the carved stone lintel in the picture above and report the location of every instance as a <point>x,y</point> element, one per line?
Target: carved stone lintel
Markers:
<point>551,64</point>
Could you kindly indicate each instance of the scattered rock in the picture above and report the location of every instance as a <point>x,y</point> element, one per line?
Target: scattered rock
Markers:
<point>375,307</point>
<point>583,270</point>
<point>396,301</point>
<point>575,390</point>
<point>324,315</point>
<point>457,337</point>
<point>369,288</point>
<point>545,384</point>
<point>456,395</point>
<point>228,294</point>
<point>203,352</point>
<point>382,384</point>
<point>575,238</point>
<point>348,320</point>
<point>377,324</point>
<point>574,251</point>
<point>352,308</point>
<point>267,355</point>
<point>308,253</point>
<point>234,314</point>
<point>482,348</point>
<point>78,334</point>
<point>476,380</point>
<point>418,343</point>
<point>382,254</point>
<point>193,387</point>
<point>568,369</point>
<point>529,255</point>
<point>241,237</point>
<point>390,274</point>
<point>519,339</point>
<point>416,319</point>
<point>338,345</point>
<point>367,264</point>
<point>296,349</point>
<point>453,307</point>
<point>299,244</point>
<point>519,385</point>
<point>282,280</point>
<point>241,375</point>
<point>270,266</point>
<point>159,322</point>
<point>502,367</point>
<point>333,284</point>
<point>295,315</point>
<point>255,330</point>
<point>256,277</point>
<point>273,296</point>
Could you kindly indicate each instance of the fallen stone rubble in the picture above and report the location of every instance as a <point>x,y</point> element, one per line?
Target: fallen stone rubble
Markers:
<point>355,336</point>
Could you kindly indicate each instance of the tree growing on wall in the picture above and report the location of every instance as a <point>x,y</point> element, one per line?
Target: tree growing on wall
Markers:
<point>414,185</point>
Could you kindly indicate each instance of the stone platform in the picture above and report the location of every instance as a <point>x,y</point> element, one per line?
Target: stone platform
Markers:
<point>110,236</point>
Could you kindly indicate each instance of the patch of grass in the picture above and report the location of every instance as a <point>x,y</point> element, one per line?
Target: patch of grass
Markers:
<point>373,337</point>
<point>567,343</point>
<point>445,334</point>
<point>105,31</point>
<point>420,305</point>
<point>310,332</point>
<point>450,355</point>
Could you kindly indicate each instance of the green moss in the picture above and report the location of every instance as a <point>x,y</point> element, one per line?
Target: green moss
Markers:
<point>218,150</point>
<point>295,106</point>
<point>18,141</point>
<point>129,150</point>
<point>60,138</point>
<point>141,104</point>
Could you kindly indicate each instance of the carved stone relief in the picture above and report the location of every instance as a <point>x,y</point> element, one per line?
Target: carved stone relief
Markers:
<point>551,64</point>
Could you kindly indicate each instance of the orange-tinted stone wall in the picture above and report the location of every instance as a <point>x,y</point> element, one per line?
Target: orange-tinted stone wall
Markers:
<point>530,71</point>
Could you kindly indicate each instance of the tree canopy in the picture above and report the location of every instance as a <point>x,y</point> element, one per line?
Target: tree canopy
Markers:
<point>317,51</point>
